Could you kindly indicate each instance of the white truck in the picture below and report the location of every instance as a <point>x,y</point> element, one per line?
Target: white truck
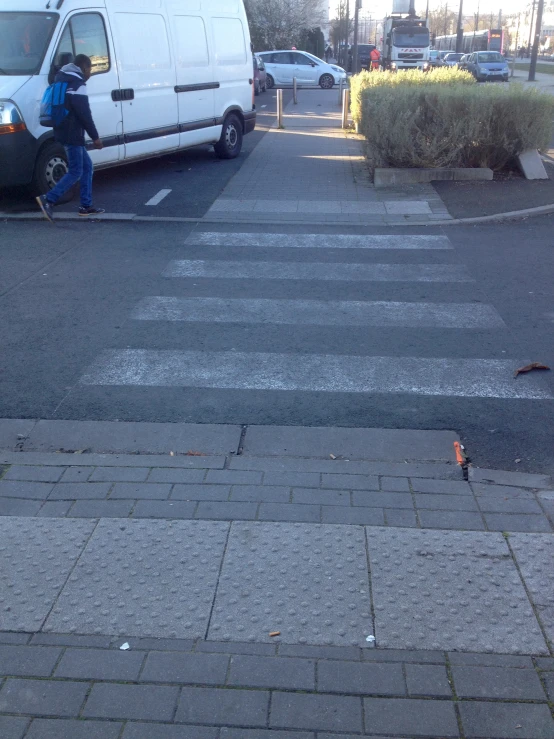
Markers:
<point>406,40</point>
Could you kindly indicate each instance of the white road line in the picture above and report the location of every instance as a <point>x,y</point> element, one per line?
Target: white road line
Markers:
<point>157,199</point>
<point>319,312</point>
<point>470,378</point>
<point>318,271</point>
<point>321,241</point>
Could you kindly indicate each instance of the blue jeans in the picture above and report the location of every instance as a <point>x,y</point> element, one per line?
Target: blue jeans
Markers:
<point>80,168</point>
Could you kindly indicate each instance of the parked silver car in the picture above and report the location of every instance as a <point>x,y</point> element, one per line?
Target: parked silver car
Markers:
<point>488,65</point>
<point>282,66</point>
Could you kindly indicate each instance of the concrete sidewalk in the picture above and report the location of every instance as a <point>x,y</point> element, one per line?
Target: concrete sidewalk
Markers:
<point>269,583</point>
<point>313,170</point>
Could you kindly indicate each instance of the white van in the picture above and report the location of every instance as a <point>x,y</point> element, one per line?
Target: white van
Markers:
<point>166,75</point>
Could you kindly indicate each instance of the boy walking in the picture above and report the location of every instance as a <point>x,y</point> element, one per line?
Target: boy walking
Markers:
<point>71,133</point>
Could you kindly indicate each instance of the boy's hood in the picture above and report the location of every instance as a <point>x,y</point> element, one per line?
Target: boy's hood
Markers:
<point>73,70</point>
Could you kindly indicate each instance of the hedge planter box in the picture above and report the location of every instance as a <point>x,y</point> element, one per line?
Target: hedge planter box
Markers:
<point>430,121</point>
<point>387,176</point>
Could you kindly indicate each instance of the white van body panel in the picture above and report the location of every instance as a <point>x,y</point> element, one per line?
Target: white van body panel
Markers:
<point>146,66</point>
<point>185,65</point>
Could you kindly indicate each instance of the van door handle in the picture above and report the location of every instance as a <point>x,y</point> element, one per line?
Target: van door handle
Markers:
<point>127,94</point>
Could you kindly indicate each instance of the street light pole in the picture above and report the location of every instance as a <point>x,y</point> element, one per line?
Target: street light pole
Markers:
<point>460,30</point>
<point>534,53</point>
<point>531,24</point>
<point>355,51</point>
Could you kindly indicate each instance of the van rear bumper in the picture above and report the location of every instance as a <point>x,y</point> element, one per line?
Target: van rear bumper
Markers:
<point>17,158</point>
<point>249,121</point>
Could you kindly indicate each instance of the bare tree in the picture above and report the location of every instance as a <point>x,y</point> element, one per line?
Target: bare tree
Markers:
<point>278,24</point>
<point>443,20</point>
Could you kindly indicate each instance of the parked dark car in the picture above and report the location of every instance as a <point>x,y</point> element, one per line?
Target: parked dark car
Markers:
<point>488,65</point>
<point>260,78</point>
<point>364,50</point>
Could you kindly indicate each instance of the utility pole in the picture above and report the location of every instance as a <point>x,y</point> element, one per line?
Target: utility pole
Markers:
<point>445,18</point>
<point>515,51</point>
<point>347,34</point>
<point>460,30</point>
<point>355,69</point>
<point>475,26</point>
<point>531,24</point>
<point>427,11</point>
<point>534,53</point>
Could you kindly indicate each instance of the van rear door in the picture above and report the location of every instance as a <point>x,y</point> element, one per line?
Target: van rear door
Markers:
<point>196,81</point>
<point>233,60</point>
<point>147,78</point>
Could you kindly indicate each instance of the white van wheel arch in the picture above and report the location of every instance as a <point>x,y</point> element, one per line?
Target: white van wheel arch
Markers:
<point>50,167</point>
<point>230,142</point>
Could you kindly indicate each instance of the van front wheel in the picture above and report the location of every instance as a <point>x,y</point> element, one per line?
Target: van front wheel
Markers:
<point>50,167</point>
<point>230,143</point>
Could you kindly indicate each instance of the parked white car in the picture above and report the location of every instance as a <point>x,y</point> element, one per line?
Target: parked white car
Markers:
<point>282,66</point>
<point>166,75</point>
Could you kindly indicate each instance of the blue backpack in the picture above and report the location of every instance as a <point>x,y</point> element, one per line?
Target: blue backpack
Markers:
<point>52,106</point>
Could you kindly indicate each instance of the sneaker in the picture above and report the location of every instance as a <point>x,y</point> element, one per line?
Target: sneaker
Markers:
<point>46,207</point>
<point>90,211</point>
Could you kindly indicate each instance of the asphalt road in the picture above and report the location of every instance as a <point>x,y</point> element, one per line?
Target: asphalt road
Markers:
<point>195,177</point>
<point>68,293</point>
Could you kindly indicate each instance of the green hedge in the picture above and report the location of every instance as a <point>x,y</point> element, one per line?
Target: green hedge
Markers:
<point>407,78</point>
<point>411,122</point>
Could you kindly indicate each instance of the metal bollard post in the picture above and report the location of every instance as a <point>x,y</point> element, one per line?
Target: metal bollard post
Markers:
<point>294,91</point>
<point>340,91</point>
<point>280,108</point>
<point>345,107</point>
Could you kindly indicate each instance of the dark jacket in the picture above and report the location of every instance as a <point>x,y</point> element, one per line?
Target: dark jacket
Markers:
<point>71,132</point>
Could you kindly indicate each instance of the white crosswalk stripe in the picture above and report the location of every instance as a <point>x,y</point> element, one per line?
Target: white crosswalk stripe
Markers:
<point>318,241</point>
<point>260,368</point>
<point>318,271</point>
<point>471,378</point>
<point>318,312</point>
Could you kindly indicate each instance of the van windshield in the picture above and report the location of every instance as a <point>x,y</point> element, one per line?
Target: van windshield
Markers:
<point>24,38</point>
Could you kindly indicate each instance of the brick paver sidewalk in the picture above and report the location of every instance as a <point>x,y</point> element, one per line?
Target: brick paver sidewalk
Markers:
<point>243,586</point>
<point>312,170</point>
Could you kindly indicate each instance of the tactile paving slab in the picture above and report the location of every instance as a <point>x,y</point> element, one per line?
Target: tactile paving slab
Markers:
<point>451,590</point>
<point>534,554</point>
<point>36,556</point>
<point>143,578</point>
<point>308,581</point>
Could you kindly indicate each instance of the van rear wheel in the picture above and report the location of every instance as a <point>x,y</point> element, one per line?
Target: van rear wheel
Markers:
<point>50,167</point>
<point>230,143</point>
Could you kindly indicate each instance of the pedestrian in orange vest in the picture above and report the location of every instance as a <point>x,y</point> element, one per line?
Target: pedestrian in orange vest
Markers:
<point>375,57</point>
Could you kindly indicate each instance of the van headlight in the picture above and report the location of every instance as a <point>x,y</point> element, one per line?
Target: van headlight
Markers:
<point>11,120</point>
